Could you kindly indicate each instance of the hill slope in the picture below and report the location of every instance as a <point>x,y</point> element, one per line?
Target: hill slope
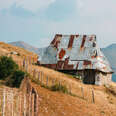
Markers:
<point>17,53</point>
<point>59,104</point>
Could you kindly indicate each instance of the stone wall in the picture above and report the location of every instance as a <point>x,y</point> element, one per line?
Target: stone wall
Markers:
<point>103,78</point>
<point>100,78</point>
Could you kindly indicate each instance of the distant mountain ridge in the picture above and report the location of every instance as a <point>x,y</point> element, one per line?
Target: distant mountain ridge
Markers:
<point>25,46</point>
<point>28,47</point>
<point>109,52</point>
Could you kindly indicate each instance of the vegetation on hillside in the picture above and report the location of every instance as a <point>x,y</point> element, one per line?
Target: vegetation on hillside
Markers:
<point>9,72</point>
<point>60,88</point>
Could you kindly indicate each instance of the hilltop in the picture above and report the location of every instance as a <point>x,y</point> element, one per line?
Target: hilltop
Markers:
<point>6,49</point>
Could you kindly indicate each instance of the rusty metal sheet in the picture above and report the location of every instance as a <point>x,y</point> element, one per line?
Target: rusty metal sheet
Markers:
<point>70,44</point>
<point>75,52</point>
<point>65,55</point>
<point>62,54</point>
<point>83,41</point>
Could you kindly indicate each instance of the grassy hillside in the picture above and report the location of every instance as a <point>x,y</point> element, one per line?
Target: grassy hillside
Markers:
<point>6,49</point>
<point>60,104</point>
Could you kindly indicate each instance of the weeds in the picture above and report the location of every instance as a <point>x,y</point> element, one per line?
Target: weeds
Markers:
<point>60,88</point>
<point>56,87</point>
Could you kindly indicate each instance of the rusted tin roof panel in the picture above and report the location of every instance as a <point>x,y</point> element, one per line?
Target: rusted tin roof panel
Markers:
<point>75,52</point>
<point>62,54</point>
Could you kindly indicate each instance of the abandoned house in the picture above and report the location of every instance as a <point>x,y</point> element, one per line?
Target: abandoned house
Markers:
<point>77,54</point>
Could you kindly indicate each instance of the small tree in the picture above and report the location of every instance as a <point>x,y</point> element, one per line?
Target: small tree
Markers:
<point>16,79</point>
<point>10,73</point>
<point>7,67</point>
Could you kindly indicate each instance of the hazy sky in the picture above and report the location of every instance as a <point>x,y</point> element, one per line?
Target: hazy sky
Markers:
<point>37,21</point>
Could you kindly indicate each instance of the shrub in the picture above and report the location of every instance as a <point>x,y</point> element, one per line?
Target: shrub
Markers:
<point>58,87</point>
<point>7,67</point>
<point>10,73</point>
<point>16,79</point>
<point>18,54</point>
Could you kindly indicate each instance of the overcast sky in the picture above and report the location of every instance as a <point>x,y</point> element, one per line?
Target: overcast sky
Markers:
<point>37,21</point>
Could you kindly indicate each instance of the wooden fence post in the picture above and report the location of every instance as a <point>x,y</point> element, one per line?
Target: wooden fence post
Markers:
<point>70,91</point>
<point>37,110</point>
<point>28,97</point>
<point>41,78</point>
<point>59,84</point>
<point>30,104</point>
<point>25,108</point>
<point>7,103</point>
<point>34,73</point>
<point>4,102</point>
<point>12,103</point>
<point>23,63</point>
<point>20,104</point>
<point>53,82</point>
<point>93,97</point>
<point>82,91</point>
<point>30,69</point>
<point>33,96</point>
<point>27,67</point>
<point>47,81</point>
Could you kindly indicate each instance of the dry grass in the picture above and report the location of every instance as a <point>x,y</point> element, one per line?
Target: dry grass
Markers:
<point>59,104</point>
<point>6,48</point>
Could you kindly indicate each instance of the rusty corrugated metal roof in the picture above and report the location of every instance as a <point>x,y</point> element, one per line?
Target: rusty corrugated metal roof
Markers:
<point>74,52</point>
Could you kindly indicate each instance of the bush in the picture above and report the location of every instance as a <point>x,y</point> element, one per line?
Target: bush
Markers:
<point>7,67</point>
<point>10,73</point>
<point>18,54</point>
<point>16,79</point>
<point>58,87</point>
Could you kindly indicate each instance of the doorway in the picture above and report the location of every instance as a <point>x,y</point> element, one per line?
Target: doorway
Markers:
<point>89,76</point>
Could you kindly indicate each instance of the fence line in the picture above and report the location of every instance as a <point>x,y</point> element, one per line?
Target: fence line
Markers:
<point>18,103</point>
<point>48,81</point>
